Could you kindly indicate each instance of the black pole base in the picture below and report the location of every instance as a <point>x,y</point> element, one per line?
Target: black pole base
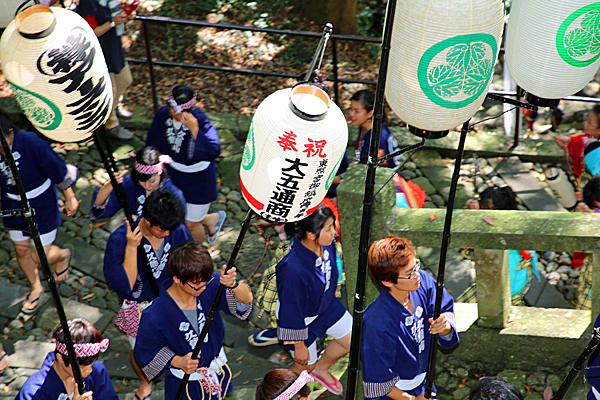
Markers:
<point>540,101</point>
<point>427,134</point>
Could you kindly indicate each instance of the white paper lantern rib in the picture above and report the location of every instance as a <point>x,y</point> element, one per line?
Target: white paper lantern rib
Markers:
<point>553,46</point>
<point>296,142</point>
<point>442,58</point>
<point>54,63</point>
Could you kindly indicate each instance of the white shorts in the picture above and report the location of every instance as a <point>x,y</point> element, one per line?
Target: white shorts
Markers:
<point>337,331</point>
<point>131,341</point>
<point>196,212</point>
<point>20,236</point>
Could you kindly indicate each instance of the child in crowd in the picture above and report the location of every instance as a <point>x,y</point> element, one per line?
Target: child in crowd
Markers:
<point>283,384</point>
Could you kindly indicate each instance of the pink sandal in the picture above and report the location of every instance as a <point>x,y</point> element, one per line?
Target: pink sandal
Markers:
<point>329,386</point>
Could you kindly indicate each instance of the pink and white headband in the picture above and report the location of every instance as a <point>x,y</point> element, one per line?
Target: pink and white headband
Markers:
<point>179,108</point>
<point>295,387</point>
<point>84,349</point>
<point>152,169</point>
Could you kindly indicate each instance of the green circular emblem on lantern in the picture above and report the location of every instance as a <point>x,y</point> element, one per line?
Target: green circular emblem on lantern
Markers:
<point>578,37</point>
<point>38,109</point>
<point>249,155</point>
<point>455,72</point>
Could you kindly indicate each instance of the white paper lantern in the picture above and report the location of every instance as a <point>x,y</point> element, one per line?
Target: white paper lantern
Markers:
<point>441,60</point>
<point>9,8</point>
<point>295,145</point>
<point>53,61</point>
<point>553,46</point>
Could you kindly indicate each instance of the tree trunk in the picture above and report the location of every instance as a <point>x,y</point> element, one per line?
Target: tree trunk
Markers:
<point>341,13</point>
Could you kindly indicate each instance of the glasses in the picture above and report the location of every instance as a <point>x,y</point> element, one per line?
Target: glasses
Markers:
<point>413,271</point>
<point>202,285</point>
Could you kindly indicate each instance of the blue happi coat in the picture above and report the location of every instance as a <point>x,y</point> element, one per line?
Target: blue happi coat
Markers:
<point>395,342</point>
<point>166,332</point>
<point>136,196</point>
<point>306,284</point>
<point>593,371</point>
<point>114,255</point>
<point>387,143</point>
<point>193,169</point>
<point>42,172</point>
<point>47,385</point>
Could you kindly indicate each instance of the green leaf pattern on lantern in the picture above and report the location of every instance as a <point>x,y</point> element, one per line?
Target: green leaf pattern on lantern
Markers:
<point>585,40</point>
<point>249,155</point>
<point>40,111</point>
<point>466,71</point>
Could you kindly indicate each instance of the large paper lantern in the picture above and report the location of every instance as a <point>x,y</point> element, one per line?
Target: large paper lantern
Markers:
<point>53,61</point>
<point>441,61</point>
<point>553,47</point>
<point>295,145</point>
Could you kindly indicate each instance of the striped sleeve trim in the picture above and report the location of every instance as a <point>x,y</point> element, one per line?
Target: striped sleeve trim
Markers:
<point>158,363</point>
<point>232,303</point>
<point>292,335</point>
<point>70,178</point>
<point>451,318</point>
<point>375,390</point>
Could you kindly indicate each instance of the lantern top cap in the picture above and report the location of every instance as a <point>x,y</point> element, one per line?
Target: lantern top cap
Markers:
<point>310,99</point>
<point>35,20</point>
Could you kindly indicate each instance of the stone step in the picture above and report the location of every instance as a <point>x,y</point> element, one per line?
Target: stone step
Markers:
<point>517,175</point>
<point>439,173</point>
<point>85,257</point>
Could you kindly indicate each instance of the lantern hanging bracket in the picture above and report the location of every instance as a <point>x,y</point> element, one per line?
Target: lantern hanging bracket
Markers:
<point>315,65</point>
<point>517,103</point>
<point>415,146</point>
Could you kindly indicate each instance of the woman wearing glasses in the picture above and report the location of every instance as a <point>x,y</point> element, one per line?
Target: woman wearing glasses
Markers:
<point>170,327</point>
<point>308,308</point>
<point>399,323</point>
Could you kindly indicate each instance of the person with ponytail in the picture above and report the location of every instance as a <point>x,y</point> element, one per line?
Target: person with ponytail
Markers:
<point>361,115</point>
<point>184,132</point>
<point>308,308</point>
<point>148,175</point>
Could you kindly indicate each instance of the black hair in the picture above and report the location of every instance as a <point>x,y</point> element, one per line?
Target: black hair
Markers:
<point>182,94</point>
<point>7,127</point>
<point>366,98</point>
<point>146,156</point>
<point>314,222</point>
<point>163,208</point>
<point>495,388</point>
<point>591,192</point>
<point>596,110</point>
<point>82,331</point>
<point>498,198</point>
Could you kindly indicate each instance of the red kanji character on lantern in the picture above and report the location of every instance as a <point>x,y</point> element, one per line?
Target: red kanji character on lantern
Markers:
<point>315,148</point>
<point>288,141</point>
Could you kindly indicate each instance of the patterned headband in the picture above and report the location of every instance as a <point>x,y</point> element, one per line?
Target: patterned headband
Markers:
<point>84,349</point>
<point>153,169</point>
<point>179,108</point>
<point>295,387</point>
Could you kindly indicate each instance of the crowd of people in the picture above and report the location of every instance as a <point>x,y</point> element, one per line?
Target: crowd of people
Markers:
<point>166,278</point>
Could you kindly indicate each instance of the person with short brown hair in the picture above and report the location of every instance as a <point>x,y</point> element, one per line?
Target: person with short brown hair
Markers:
<point>284,384</point>
<point>170,327</point>
<point>399,323</point>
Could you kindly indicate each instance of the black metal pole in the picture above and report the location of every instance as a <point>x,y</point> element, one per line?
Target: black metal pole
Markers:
<point>39,247</point>
<point>215,304</point>
<point>122,198</point>
<point>518,119</point>
<point>336,82</point>
<point>316,61</point>
<point>150,65</point>
<point>443,252</point>
<point>365,228</point>
<point>578,366</point>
